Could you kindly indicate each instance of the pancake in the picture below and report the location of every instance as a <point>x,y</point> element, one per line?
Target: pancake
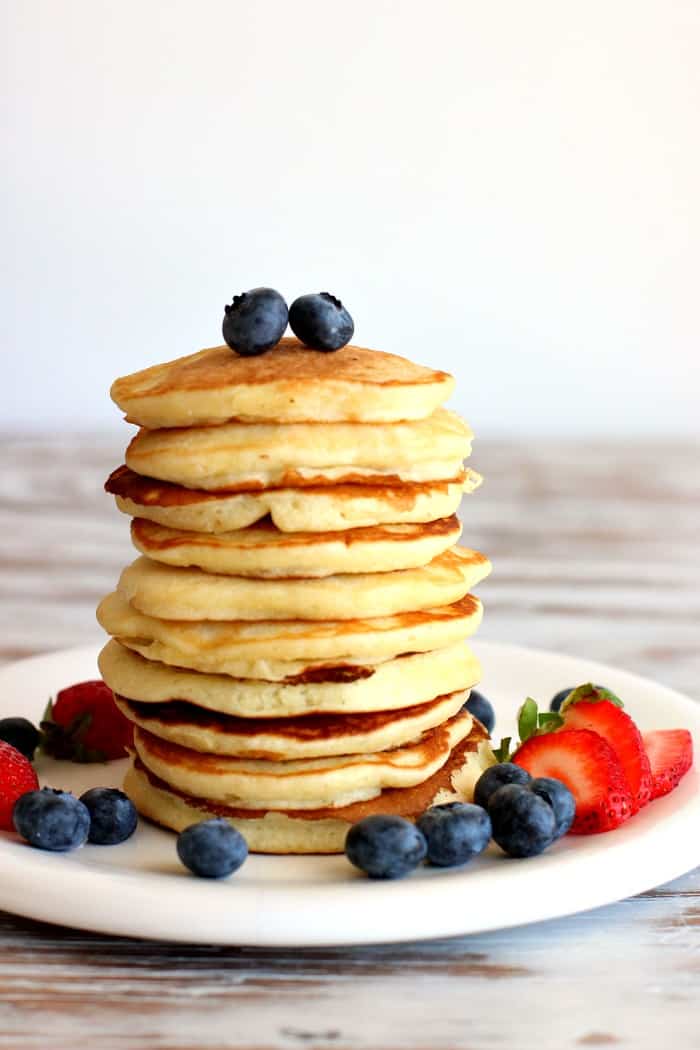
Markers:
<point>264,551</point>
<point>288,384</point>
<point>311,831</point>
<point>255,456</point>
<point>402,682</point>
<point>324,509</point>
<point>190,594</point>
<point>286,739</point>
<point>282,650</point>
<point>309,783</point>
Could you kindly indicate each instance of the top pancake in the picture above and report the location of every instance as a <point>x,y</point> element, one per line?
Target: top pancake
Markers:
<point>288,384</point>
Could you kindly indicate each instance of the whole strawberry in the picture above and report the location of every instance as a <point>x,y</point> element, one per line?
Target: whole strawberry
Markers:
<point>17,777</point>
<point>84,724</point>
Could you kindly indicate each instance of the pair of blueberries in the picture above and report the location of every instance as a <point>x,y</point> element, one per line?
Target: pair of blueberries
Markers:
<point>58,821</point>
<point>256,321</point>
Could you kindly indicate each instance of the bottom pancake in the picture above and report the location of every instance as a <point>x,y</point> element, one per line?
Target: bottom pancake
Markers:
<point>312,831</point>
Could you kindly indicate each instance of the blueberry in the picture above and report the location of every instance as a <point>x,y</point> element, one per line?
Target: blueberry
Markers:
<point>385,847</point>
<point>559,798</point>
<point>495,777</point>
<point>321,321</point>
<point>558,699</point>
<point>212,849</point>
<point>455,832</point>
<point>50,819</point>
<point>113,816</point>
<point>481,708</point>
<point>523,823</point>
<point>255,321</point>
<point>20,733</point>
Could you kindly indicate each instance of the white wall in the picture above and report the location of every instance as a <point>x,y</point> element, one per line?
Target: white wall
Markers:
<point>507,189</point>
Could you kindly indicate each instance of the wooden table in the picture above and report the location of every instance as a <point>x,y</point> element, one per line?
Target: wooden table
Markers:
<point>595,552</point>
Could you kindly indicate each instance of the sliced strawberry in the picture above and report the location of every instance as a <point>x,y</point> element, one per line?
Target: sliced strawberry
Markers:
<point>591,770</point>
<point>616,726</point>
<point>17,776</point>
<point>85,725</point>
<point>670,754</point>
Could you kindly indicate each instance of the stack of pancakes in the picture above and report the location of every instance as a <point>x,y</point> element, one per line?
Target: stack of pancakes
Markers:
<point>290,644</point>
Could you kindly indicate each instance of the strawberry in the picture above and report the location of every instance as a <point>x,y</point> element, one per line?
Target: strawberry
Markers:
<point>615,726</point>
<point>591,770</point>
<point>84,724</point>
<point>17,777</point>
<point>670,754</point>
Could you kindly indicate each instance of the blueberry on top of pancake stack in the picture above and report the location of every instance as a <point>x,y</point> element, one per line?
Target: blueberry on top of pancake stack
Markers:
<point>290,643</point>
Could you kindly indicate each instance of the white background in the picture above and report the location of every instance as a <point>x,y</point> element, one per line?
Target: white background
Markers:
<point>509,190</point>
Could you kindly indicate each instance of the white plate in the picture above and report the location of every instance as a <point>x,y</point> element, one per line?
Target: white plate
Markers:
<point>140,889</point>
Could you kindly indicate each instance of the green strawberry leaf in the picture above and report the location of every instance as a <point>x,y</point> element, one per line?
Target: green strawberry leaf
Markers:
<point>590,694</point>
<point>549,720</point>
<point>502,753</point>
<point>531,722</point>
<point>67,742</point>
<point>527,719</point>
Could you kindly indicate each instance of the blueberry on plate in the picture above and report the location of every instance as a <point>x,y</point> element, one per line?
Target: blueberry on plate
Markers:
<point>255,321</point>
<point>481,708</point>
<point>113,816</point>
<point>321,322</point>
<point>212,849</point>
<point>558,699</point>
<point>523,824</point>
<point>495,777</point>
<point>385,847</point>
<point>21,734</point>
<point>563,803</point>
<point>51,819</point>
<point>455,832</point>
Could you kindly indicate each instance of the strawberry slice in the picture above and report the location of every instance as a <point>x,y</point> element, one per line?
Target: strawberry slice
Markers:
<point>616,726</point>
<point>590,769</point>
<point>670,754</point>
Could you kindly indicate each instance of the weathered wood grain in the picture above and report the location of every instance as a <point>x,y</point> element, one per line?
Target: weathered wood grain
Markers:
<point>595,548</point>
